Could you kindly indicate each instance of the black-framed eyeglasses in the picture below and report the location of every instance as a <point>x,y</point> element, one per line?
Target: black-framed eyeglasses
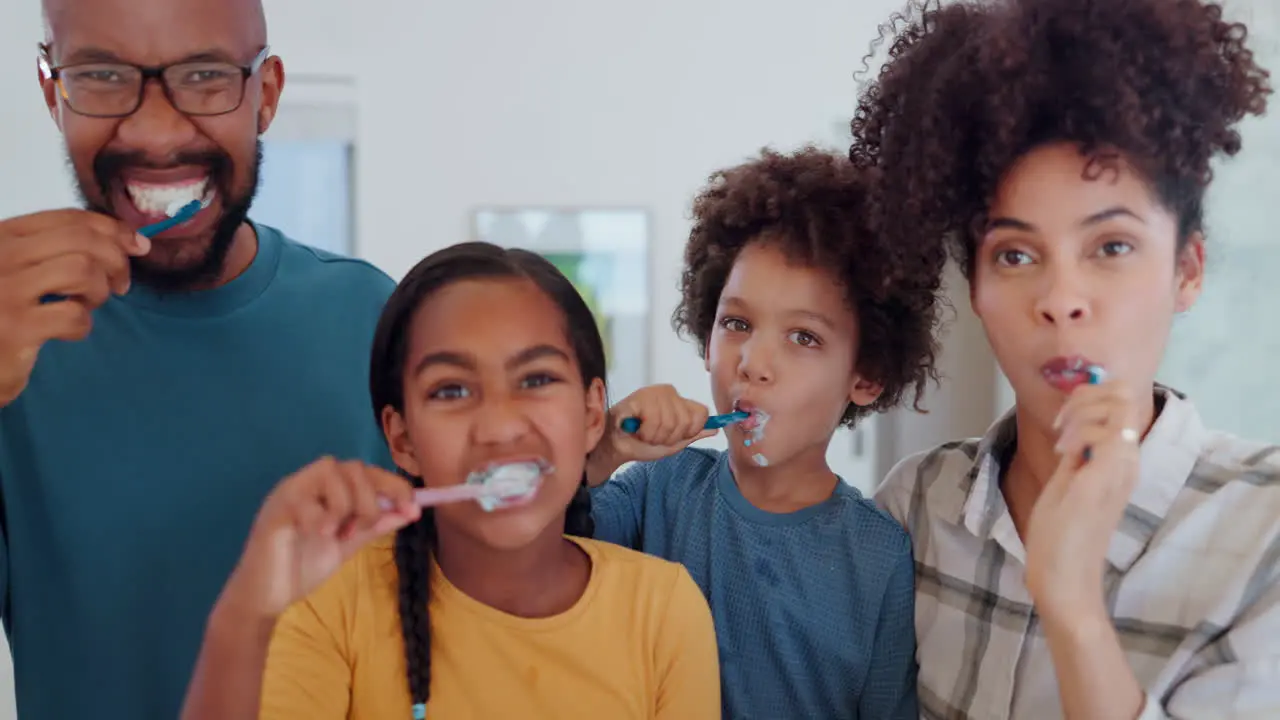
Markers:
<point>115,89</point>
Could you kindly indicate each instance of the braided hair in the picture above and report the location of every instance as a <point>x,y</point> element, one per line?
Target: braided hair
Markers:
<point>415,544</point>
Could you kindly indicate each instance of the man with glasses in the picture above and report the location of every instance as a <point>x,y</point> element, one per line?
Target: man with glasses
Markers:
<point>152,391</point>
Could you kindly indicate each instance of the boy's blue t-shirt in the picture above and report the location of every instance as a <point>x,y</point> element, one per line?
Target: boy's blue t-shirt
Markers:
<point>134,463</point>
<point>814,610</point>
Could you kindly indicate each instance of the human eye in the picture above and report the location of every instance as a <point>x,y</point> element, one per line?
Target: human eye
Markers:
<point>535,380</point>
<point>1012,257</point>
<point>446,392</point>
<point>733,324</point>
<point>204,74</point>
<point>99,75</point>
<point>804,338</point>
<point>1115,248</point>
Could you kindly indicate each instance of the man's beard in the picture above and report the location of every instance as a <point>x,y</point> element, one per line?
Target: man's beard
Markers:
<point>209,266</point>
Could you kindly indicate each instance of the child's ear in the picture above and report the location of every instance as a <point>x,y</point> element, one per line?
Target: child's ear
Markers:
<point>863,392</point>
<point>397,433</point>
<point>596,413</point>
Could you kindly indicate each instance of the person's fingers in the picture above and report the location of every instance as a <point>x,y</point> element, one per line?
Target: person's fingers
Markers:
<point>308,514</point>
<point>334,493</point>
<point>1098,412</point>
<point>624,411</point>
<point>1082,397</point>
<point>1111,394</point>
<point>20,256</point>
<point>1079,437</point>
<point>672,422</point>
<point>670,412</point>
<point>364,491</point>
<point>1116,451</point>
<point>693,420</point>
<point>394,488</point>
<point>1100,421</point>
<point>75,275</point>
<point>704,435</point>
<point>66,320</point>
<point>363,508</point>
<point>25,330</point>
<point>385,503</point>
<point>1110,467</point>
<point>389,523</point>
<point>70,221</point>
<point>654,423</point>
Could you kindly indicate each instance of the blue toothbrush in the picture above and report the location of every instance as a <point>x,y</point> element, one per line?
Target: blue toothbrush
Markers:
<point>185,213</point>
<point>715,422</point>
<point>1096,376</point>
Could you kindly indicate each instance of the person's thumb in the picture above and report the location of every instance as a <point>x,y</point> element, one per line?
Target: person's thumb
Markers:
<point>704,435</point>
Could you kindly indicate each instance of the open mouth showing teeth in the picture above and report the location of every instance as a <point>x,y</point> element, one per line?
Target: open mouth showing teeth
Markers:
<point>512,484</point>
<point>1067,373</point>
<point>166,200</point>
<point>753,417</point>
<point>754,424</point>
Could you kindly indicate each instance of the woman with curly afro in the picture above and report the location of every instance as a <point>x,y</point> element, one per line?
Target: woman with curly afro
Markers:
<point>1100,553</point>
<point>809,322</point>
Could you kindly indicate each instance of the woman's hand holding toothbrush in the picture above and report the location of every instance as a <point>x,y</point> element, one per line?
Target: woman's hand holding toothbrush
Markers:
<point>1078,512</point>
<point>649,424</point>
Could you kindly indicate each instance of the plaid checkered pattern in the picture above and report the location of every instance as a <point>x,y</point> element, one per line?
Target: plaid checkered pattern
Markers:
<point>1192,579</point>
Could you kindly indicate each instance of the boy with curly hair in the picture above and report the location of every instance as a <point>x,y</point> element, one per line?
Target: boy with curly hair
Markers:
<point>1099,553</point>
<point>809,321</point>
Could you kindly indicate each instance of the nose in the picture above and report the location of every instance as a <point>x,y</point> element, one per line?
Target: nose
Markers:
<point>755,361</point>
<point>157,128</point>
<point>501,421</point>
<point>1063,298</point>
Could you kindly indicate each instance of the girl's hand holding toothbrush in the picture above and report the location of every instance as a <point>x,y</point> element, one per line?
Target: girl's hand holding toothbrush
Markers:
<point>309,525</point>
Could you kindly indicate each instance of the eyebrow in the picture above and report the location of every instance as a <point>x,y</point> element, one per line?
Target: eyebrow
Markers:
<point>795,312</point>
<point>814,316</point>
<point>100,55</point>
<point>1094,219</point>
<point>468,362</point>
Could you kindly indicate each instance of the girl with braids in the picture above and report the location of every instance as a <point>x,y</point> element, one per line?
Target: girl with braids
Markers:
<point>482,356</point>
<point>1099,553</point>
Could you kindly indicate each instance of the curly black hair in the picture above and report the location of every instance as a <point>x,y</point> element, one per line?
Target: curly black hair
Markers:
<point>814,205</point>
<point>969,88</point>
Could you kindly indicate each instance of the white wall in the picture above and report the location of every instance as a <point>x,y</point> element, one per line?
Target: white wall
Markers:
<point>32,175</point>
<point>32,170</point>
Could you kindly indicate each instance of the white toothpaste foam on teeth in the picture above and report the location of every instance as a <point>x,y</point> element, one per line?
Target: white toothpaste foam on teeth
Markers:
<point>507,482</point>
<point>757,431</point>
<point>167,199</point>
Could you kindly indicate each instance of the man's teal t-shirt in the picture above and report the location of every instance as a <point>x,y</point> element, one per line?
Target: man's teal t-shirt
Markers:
<point>134,463</point>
